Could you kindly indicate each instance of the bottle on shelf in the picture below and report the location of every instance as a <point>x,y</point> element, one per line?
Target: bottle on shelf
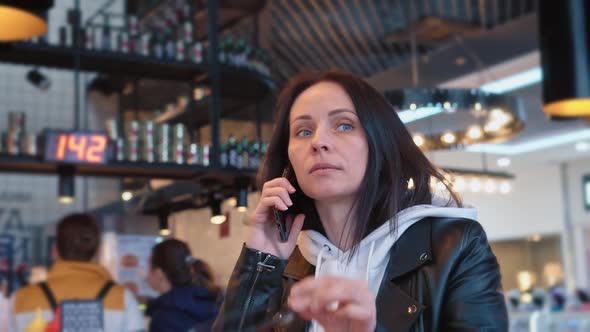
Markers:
<point>245,153</point>
<point>105,44</point>
<point>232,151</point>
<point>223,158</point>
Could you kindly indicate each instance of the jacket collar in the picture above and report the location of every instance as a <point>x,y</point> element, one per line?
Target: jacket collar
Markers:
<point>411,251</point>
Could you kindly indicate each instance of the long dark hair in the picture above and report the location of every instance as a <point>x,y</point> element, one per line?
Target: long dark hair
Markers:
<point>394,159</point>
<point>203,277</point>
<point>175,259</point>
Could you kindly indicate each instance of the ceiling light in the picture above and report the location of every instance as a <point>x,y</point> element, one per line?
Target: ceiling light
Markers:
<point>479,180</point>
<point>504,119</point>
<point>459,184</point>
<point>526,280</point>
<point>448,137</point>
<point>533,145</point>
<point>490,186</point>
<point>217,217</point>
<point>505,187</point>
<point>536,238</point>
<point>163,224</point>
<point>418,140</point>
<point>22,19</point>
<point>503,162</point>
<point>408,116</point>
<point>582,146</point>
<point>475,185</point>
<point>500,116</point>
<point>242,205</point>
<point>126,196</point>
<point>66,187</point>
<point>231,201</point>
<point>475,132</point>
<point>564,49</point>
<point>514,82</point>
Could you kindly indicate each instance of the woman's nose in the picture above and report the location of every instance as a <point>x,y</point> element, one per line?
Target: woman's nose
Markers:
<point>320,142</point>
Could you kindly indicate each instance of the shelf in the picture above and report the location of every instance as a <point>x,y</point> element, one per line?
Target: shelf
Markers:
<point>242,82</point>
<point>34,164</point>
<point>99,61</point>
<point>231,12</point>
<point>196,114</point>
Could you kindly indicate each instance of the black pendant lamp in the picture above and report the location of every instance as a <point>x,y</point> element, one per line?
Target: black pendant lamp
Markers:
<point>564,40</point>
<point>23,19</point>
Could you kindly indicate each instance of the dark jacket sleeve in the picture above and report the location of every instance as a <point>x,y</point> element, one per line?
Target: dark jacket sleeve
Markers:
<point>253,293</point>
<point>474,299</point>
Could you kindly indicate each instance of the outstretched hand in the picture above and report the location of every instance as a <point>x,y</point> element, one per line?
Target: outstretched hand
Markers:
<point>337,303</point>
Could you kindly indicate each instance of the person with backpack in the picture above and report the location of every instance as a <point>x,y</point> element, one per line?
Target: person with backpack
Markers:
<point>79,293</point>
<point>189,299</point>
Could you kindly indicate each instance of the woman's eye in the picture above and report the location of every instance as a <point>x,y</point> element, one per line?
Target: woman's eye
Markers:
<point>303,133</point>
<point>345,127</point>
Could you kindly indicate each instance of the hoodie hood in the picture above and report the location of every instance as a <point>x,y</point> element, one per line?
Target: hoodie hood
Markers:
<point>73,270</point>
<point>372,255</point>
<point>188,301</point>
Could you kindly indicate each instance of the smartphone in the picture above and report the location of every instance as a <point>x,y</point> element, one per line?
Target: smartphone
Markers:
<point>281,216</point>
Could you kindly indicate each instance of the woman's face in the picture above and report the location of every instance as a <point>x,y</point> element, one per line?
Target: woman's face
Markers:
<point>328,147</point>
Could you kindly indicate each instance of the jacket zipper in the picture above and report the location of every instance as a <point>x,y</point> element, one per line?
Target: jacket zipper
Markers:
<point>259,268</point>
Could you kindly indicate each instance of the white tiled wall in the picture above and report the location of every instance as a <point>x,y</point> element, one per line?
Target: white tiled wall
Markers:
<point>193,226</point>
<point>53,108</point>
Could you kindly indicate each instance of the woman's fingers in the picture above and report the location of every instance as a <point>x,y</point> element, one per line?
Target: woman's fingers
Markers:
<point>278,192</point>
<point>274,201</point>
<point>279,182</point>
<point>327,297</point>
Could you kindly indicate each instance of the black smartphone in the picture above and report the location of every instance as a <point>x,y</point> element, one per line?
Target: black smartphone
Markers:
<point>281,216</point>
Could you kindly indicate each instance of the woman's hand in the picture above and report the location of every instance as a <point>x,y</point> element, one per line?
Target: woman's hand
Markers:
<point>263,234</point>
<point>338,304</point>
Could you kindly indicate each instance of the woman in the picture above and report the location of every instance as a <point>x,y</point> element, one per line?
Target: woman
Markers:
<point>183,305</point>
<point>375,253</point>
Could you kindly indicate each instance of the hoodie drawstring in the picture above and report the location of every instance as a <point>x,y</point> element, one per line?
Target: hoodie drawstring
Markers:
<point>318,265</point>
<point>369,259</point>
<point>318,262</point>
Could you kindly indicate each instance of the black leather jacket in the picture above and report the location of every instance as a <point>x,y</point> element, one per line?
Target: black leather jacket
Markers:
<point>441,276</point>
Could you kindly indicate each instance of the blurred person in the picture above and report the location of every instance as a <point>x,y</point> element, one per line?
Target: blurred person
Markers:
<point>558,298</point>
<point>584,299</point>
<point>4,305</point>
<point>189,298</point>
<point>513,297</point>
<point>371,245</point>
<point>203,277</point>
<point>76,276</point>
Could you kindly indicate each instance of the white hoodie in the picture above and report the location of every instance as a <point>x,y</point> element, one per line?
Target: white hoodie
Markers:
<point>372,256</point>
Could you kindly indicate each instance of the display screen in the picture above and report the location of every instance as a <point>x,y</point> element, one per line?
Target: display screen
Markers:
<point>76,147</point>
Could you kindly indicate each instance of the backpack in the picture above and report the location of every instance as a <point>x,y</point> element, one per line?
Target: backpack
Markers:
<point>77,315</point>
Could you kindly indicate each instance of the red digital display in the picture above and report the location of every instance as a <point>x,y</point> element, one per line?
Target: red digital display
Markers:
<point>76,147</point>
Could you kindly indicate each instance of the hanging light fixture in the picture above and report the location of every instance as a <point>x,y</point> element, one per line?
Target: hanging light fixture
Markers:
<point>163,224</point>
<point>472,116</point>
<point>564,28</point>
<point>479,181</point>
<point>217,217</point>
<point>22,19</point>
<point>243,185</point>
<point>66,186</point>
